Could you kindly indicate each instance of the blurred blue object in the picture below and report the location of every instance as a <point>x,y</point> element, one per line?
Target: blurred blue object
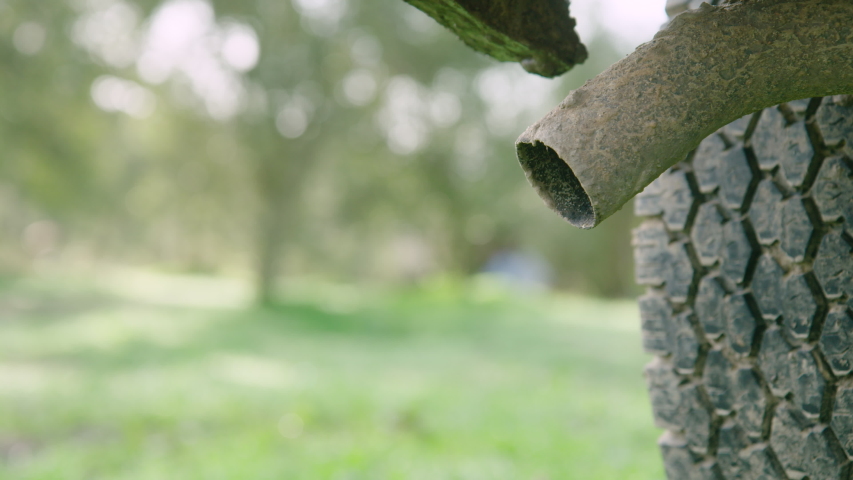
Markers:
<point>522,270</point>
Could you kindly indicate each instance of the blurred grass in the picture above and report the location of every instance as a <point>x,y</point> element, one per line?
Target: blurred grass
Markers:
<point>151,377</point>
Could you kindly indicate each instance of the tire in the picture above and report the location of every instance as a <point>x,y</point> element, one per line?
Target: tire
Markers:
<point>747,254</point>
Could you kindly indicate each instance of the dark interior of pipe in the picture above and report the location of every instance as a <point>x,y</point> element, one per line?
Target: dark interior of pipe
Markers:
<point>556,183</point>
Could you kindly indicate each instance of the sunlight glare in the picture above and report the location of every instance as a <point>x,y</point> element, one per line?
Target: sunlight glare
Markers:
<point>628,23</point>
<point>113,94</point>
<point>240,47</point>
<point>359,87</point>
<point>29,38</point>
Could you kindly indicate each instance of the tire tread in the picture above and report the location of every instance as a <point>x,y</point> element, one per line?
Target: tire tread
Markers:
<point>747,256</point>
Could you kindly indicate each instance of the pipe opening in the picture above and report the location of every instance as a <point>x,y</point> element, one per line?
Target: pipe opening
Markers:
<point>555,182</point>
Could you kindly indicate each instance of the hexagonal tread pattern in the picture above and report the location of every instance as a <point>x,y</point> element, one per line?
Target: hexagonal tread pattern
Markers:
<point>833,265</point>
<point>777,143</point>
<point>842,417</point>
<point>833,190</point>
<point>707,234</point>
<point>767,287</point>
<point>748,258</point>
<point>836,341</point>
<point>669,196</point>
<point>739,459</point>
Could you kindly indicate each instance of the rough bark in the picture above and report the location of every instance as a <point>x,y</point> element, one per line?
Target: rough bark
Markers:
<point>537,33</point>
<point>610,138</point>
<point>270,232</point>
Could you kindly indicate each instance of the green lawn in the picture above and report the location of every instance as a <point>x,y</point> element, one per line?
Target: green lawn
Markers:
<point>143,377</point>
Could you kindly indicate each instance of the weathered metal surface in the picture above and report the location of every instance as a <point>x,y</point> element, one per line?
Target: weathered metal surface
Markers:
<point>537,33</point>
<point>610,138</point>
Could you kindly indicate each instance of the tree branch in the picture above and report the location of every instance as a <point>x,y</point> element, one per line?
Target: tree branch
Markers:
<point>610,138</point>
<point>538,33</point>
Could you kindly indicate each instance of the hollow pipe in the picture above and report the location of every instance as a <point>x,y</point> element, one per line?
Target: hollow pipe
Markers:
<point>618,132</point>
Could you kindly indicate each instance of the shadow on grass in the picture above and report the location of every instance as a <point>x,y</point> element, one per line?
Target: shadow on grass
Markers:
<point>309,317</point>
<point>400,315</point>
<point>22,301</point>
<point>508,328</point>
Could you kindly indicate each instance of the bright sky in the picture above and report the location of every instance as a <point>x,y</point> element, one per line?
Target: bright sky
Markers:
<point>628,22</point>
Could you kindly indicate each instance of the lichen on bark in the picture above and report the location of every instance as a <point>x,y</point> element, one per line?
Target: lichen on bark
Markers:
<point>539,34</point>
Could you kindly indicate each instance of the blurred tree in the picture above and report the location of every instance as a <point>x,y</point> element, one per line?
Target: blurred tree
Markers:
<point>47,129</point>
<point>354,139</point>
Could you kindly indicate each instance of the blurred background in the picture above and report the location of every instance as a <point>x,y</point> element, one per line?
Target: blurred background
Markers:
<point>290,239</point>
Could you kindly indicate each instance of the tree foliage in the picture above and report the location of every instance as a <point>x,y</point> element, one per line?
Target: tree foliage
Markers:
<point>360,141</point>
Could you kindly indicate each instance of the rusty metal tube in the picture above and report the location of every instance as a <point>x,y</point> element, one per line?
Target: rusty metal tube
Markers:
<point>613,136</point>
